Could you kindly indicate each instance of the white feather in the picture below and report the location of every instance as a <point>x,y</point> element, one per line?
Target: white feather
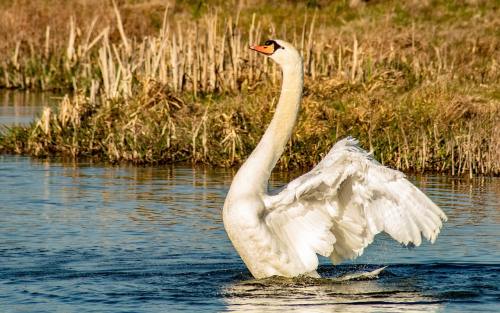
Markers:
<point>338,207</point>
<point>335,210</point>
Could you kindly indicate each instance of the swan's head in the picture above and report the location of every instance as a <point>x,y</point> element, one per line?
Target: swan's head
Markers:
<point>280,51</point>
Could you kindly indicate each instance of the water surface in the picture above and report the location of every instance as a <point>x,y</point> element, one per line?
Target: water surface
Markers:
<point>84,237</point>
<point>20,108</point>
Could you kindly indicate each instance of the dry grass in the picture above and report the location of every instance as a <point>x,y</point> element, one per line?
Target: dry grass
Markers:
<point>416,82</point>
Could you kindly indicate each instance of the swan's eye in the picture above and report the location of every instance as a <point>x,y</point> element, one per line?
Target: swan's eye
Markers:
<point>274,44</point>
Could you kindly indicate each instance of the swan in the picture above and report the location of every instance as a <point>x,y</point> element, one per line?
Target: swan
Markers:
<point>335,210</point>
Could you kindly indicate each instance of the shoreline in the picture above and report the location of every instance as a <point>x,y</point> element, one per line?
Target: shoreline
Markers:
<point>409,81</point>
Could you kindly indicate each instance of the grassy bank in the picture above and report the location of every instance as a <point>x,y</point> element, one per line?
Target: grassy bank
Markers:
<point>417,82</point>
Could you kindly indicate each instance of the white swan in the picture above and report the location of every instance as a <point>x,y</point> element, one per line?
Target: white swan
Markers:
<point>335,210</point>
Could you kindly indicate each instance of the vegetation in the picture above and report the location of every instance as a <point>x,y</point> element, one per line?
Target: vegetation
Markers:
<point>417,81</point>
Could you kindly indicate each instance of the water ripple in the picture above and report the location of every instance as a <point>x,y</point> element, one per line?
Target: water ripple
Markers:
<point>90,238</point>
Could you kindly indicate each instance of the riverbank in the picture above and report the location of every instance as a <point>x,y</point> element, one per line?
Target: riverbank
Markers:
<point>417,84</point>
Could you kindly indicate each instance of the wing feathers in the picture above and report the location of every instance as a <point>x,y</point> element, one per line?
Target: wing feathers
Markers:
<point>337,208</point>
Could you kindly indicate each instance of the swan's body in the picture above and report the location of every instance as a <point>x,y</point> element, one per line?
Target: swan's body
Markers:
<point>335,210</point>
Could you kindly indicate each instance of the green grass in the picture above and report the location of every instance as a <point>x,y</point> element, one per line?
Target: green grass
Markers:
<point>417,84</point>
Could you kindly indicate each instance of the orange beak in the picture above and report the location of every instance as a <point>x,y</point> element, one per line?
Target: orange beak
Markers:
<point>267,50</point>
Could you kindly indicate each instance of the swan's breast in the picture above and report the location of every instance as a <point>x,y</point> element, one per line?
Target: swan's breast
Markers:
<point>243,210</point>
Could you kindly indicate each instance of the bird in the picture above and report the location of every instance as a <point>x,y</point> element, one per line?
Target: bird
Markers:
<point>335,210</point>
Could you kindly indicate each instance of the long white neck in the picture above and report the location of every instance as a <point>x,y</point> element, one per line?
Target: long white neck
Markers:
<point>254,174</point>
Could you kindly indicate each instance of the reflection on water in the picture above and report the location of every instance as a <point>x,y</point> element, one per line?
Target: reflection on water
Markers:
<point>324,295</point>
<point>20,108</point>
<point>88,237</point>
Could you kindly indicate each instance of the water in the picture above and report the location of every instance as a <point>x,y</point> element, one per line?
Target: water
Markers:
<point>84,237</point>
<point>19,108</point>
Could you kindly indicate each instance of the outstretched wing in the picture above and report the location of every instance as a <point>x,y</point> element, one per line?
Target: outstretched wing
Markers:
<point>337,208</point>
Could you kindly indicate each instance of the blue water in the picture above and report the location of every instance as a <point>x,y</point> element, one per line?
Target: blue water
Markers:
<point>84,237</point>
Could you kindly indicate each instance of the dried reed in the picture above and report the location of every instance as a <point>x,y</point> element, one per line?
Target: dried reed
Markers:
<point>421,94</point>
